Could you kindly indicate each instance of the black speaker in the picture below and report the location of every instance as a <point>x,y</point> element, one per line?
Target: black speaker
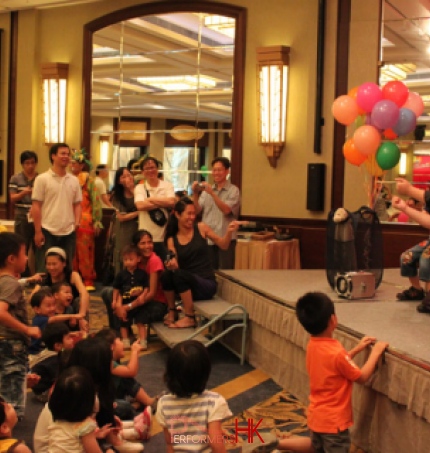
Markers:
<point>316,187</point>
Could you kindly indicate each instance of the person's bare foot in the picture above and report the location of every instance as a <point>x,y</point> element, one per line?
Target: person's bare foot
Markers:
<point>185,322</point>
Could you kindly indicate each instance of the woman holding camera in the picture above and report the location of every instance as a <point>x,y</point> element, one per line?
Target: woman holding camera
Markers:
<point>189,270</point>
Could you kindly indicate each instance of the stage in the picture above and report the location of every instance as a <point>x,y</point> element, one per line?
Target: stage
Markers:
<point>392,412</point>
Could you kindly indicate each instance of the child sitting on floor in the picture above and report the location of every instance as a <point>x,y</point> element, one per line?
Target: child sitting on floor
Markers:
<point>43,304</point>
<point>56,338</point>
<point>63,295</point>
<point>126,385</point>
<point>189,411</point>
<point>130,283</point>
<point>8,420</point>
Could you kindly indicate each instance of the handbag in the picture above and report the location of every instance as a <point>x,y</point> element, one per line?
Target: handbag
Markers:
<point>157,215</point>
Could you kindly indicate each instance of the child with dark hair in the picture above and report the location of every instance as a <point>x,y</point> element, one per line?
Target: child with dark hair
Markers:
<point>188,404</point>
<point>8,420</point>
<point>56,338</point>
<point>130,283</point>
<point>95,355</point>
<point>43,304</point>
<point>63,296</point>
<point>73,404</point>
<point>14,328</point>
<point>127,387</point>
<point>331,373</point>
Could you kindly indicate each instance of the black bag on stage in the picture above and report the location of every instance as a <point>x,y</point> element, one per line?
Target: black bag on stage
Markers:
<point>354,245</point>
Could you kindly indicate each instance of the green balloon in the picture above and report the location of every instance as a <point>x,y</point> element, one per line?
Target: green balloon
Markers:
<point>205,170</point>
<point>360,121</point>
<point>388,155</point>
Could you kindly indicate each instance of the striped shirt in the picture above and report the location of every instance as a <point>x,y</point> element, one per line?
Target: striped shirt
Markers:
<point>17,184</point>
<point>187,419</point>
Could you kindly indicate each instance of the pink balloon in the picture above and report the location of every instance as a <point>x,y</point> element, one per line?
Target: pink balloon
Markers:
<point>368,94</point>
<point>395,91</point>
<point>415,103</point>
<point>367,140</point>
<point>385,114</point>
<point>345,110</point>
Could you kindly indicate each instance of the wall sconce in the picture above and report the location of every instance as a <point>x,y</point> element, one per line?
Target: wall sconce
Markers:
<point>403,163</point>
<point>54,76</point>
<point>272,99</point>
<point>104,149</point>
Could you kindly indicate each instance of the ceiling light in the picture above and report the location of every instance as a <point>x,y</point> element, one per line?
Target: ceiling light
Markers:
<point>221,24</point>
<point>398,71</point>
<point>179,83</point>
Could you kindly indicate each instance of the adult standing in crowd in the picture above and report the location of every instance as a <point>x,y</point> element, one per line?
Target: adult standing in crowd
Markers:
<point>154,198</point>
<point>189,271</point>
<point>219,204</point>
<point>91,220</point>
<point>20,190</point>
<point>56,207</point>
<point>102,173</point>
<point>126,216</point>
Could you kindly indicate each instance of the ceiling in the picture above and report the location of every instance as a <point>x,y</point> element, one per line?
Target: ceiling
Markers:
<point>145,44</point>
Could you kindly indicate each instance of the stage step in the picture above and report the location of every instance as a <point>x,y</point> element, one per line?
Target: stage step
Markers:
<point>209,312</point>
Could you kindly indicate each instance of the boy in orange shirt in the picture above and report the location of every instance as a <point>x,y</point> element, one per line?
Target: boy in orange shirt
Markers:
<point>331,374</point>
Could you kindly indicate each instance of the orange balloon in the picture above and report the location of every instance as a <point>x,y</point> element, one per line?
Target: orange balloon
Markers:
<point>367,139</point>
<point>353,93</point>
<point>351,153</point>
<point>372,166</point>
<point>389,134</point>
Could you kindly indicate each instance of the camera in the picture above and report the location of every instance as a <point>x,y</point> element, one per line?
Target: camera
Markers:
<point>170,255</point>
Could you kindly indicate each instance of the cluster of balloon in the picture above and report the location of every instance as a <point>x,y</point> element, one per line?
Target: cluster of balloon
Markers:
<point>381,115</point>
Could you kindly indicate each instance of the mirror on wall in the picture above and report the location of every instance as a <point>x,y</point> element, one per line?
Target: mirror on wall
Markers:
<point>405,56</point>
<point>164,84</point>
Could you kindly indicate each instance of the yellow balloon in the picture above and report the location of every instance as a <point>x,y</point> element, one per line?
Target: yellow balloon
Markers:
<point>372,166</point>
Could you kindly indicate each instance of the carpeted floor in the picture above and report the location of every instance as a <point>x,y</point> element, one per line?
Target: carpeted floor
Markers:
<point>250,393</point>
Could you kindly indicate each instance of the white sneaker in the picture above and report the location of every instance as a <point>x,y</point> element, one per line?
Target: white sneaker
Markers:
<point>126,343</point>
<point>143,344</point>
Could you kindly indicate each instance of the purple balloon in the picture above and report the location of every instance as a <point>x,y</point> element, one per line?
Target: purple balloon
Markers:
<point>406,123</point>
<point>385,114</point>
<point>368,94</point>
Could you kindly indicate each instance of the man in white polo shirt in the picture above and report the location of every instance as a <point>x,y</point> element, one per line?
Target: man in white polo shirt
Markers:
<point>56,207</point>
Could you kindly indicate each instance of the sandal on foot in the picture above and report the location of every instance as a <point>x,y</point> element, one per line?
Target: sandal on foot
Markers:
<point>184,323</point>
<point>170,318</point>
<point>411,293</point>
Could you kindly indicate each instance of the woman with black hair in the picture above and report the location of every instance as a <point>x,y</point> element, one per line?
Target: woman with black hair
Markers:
<point>126,214</point>
<point>189,270</point>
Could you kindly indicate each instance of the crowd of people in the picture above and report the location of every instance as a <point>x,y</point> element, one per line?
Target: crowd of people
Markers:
<point>162,251</point>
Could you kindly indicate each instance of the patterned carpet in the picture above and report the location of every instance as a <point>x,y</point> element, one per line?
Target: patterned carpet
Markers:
<point>250,393</point>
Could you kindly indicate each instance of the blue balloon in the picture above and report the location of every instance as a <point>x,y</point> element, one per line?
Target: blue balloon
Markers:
<point>406,123</point>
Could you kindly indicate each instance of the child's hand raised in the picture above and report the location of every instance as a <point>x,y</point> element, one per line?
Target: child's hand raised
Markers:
<point>136,346</point>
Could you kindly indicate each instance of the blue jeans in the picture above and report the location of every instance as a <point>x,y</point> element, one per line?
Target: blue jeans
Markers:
<point>416,261</point>
<point>13,372</point>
